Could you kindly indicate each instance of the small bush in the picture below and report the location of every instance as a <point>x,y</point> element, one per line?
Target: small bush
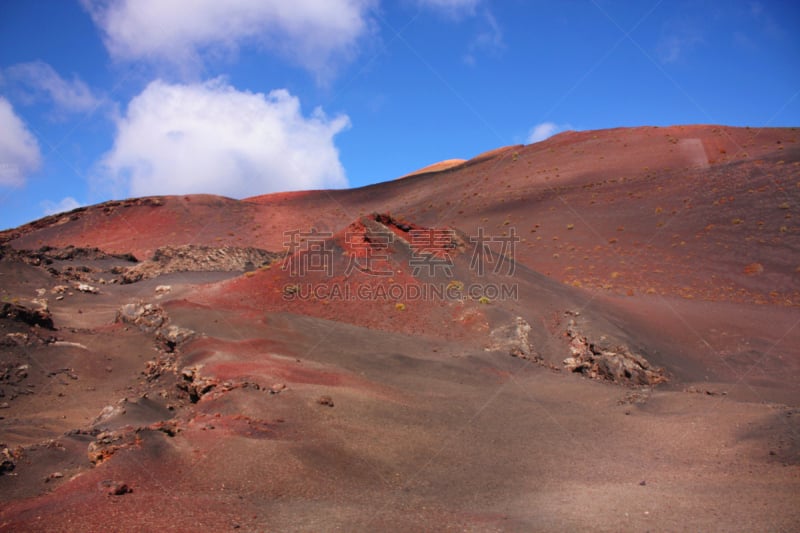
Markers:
<point>455,285</point>
<point>291,289</point>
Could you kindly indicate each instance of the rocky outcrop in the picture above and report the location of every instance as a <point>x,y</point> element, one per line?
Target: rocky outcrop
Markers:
<point>147,317</point>
<point>196,385</point>
<point>7,460</point>
<point>152,318</point>
<point>32,317</point>
<point>513,338</point>
<point>47,255</point>
<point>605,361</point>
<point>78,269</point>
<point>107,443</point>
<point>191,258</point>
<point>115,488</point>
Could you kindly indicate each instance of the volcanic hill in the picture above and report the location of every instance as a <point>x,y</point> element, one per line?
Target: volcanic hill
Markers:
<point>598,331</point>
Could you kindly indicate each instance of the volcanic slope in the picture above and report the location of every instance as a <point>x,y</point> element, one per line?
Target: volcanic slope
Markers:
<point>174,361</point>
<point>692,227</point>
<point>699,212</point>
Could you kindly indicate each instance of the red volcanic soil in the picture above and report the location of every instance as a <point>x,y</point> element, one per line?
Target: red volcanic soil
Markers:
<point>437,167</point>
<point>641,372</point>
<point>701,212</point>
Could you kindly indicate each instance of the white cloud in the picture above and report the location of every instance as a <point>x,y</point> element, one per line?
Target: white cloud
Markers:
<point>211,138</point>
<point>66,204</point>
<point>544,130</point>
<point>19,151</point>
<point>310,32</point>
<point>68,95</point>
<point>488,40</point>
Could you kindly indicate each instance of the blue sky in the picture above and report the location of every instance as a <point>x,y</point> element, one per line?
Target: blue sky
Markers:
<point>105,99</point>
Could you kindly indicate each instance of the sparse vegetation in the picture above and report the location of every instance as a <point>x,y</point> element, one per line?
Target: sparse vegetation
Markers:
<point>455,285</point>
<point>290,290</point>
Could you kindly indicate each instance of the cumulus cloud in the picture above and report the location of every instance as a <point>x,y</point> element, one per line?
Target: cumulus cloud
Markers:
<point>66,204</point>
<point>40,79</point>
<point>544,130</point>
<point>19,151</point>
<point>310,32</point>
<point>211,138</point>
